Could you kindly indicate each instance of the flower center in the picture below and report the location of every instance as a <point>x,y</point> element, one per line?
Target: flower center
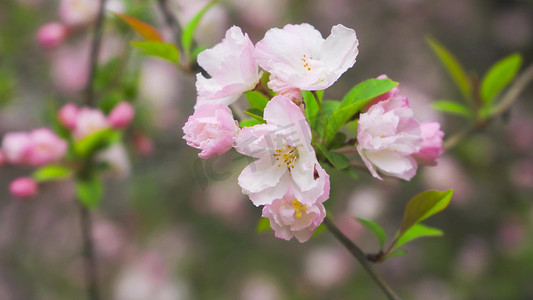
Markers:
<point>305,62</point>
<point>299,208</point>
<point>286,156</point>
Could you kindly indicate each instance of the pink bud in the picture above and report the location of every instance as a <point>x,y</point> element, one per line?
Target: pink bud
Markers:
<point>432,147</point>
<point>52,34</point>
<point>67,115</point>
<point>23,187</point>
<point>121,116</point>
<point>46,147</point>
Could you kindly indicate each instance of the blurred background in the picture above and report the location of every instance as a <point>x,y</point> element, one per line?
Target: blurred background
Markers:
<point>172,226</point>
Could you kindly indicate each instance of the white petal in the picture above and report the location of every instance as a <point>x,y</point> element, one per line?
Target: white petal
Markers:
<point>260,175</point>
<point>339,51</point>
<point>394,164</point>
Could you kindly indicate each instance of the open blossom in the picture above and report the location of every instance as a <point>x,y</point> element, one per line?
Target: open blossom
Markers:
<point>16,146</point>
<point>212,129</point>
<point>78,12</point>
<point>45,147</point>
<point>299,56</point>
<point>289,217</point>
<point>89,121</point>
<point>286,159</point>
<point>388,136</point>
<point>432,147</point>
<point>232,68</point>
<point>23,187</point>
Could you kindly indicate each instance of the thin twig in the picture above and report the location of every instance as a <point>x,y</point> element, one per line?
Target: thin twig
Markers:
<point>171,22</point>
<point>91,269</point>
<point>361,257</point>
<point>95,51</point>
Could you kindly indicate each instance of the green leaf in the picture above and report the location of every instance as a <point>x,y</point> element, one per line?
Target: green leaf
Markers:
<point>250,122</point>
<point>422,206</point>
<point>417,231</point>
<point>499,76</point>
<point>311,108</point>
<point>351,172</point>
<point>89,191</point>
<point>356,99</point>
<point>396,253</point>
<point>263,225</point>
<point>145,30</point>
<point>376,230</point>
<point>96,141</point>
<point>338,160</point>
<point>158,49</point>
<point>256,114</point>
<point>51,172</point>
<point>190,28</point>
<point>452,107</point>
<point>453,67</point>
<point>338,141</point>
<point>257,100</point>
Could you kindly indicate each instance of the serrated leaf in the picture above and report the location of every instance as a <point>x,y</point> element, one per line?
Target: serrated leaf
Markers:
<point>145,30</point>
<point>51,172</point>
<point>422,206</point>
<point>499,76</point>
<point>452,107</point>
<point>255,113</point>
<point>397,253</point>
<point>249,123</point>
<point>452,66</point>
<point>96,141</point>
<point>356,99</point>
<point>375,229</point>
<point>263,225</point>
<point>89,191</point>
<point>338,160</point>
<point>416,231</point>
<point>158,49</point>
<point>257,100</point>
<point>190,28</point>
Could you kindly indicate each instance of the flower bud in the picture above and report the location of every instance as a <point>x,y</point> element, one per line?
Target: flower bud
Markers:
<point>15,147</point>
<point>121,116</point>
<point>67,115</point>
<point>23,187</point>
<point>45,147</point>
<point>51,34</point>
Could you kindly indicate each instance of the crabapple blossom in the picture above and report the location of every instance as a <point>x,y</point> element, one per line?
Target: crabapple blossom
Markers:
<point>23,187</point>
<point>289,217</point>
<point>388,136</point>
<point>16,146</point>
<point>89,121</point>
<point>286,159</point>
<point>45,147</point>
<point>51,34</point>
<point>432,147</point>
<point>212,129</point>
<point>232,68</point>
<point>392,93</point>
<point>121,115</point>
<point>299,56</point>
<point>282,88</point>
<point>68,115</point>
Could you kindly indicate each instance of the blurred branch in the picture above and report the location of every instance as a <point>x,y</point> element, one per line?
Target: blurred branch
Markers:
<point>507,100</point>
<point>95,50</point>
<point>361,257</point>
<point>171,22</point>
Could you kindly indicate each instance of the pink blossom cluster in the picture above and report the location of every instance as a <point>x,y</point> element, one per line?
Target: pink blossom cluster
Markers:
<point>390,140</point>
<point>286,177</point>
<point>85,121</point>
<point>35,148</point>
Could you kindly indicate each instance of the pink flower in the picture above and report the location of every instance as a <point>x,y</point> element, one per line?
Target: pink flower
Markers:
<point>212,129</point>
<point>390,94</point>
<point>68,115</point>
<point>289,217</point>
<point>282,88</point>
<point>299,56</point>
<point>2,158</point>
<point>16,146</point>
<point>89,121</point>
<point>46,147</point>
<point>23,187</point>
<point>432,147</point>
<point>388,136</point>
<point>232,68</point>
<point>121,115</point>
<point>78,12</point>
<point>286,159</point>
<point>51,34</point>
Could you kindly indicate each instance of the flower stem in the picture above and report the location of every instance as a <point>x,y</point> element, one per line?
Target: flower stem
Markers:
<point>91,270</point>
<point>361,257</point>
<point>95,50</point>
